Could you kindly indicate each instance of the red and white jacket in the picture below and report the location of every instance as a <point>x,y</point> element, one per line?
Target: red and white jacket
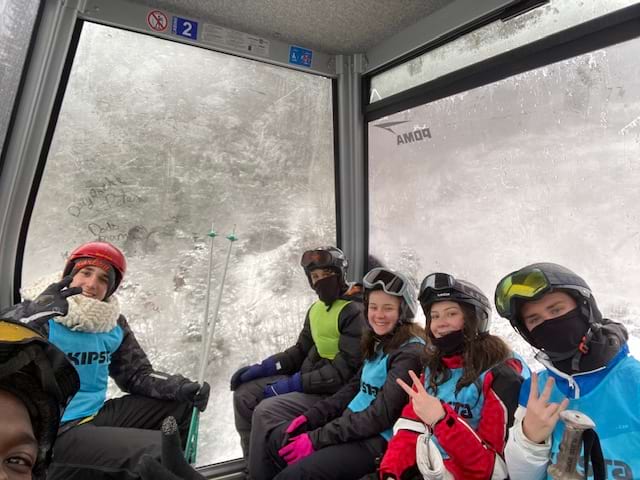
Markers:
<point>473,433</point>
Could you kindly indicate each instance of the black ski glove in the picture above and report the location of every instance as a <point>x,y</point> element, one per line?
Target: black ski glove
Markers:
<point>52,302</point>
<point>194,393</point>
<point>173,466</point>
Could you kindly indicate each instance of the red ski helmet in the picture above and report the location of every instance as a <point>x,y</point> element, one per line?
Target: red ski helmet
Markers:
<point>99,251</point>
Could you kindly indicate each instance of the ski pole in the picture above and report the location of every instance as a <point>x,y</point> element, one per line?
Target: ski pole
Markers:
<point>205,323</point>
<point>192,438</point>
<point>565,467</point>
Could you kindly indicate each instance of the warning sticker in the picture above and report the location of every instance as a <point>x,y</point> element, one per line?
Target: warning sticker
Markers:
<point>157,21</point>
<point>225,37</point>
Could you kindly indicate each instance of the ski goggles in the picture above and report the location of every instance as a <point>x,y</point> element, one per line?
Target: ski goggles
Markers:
<point>528,285</point>
<point>316,259</point>
<point>16,333</point>
<point>391,283</point>
<point>434,284</point>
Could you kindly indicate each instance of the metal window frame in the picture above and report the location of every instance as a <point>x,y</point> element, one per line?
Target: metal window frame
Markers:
<point>604,31</point>
<point>23,146</point>
<point>19,90</point>
<point>610,29</point>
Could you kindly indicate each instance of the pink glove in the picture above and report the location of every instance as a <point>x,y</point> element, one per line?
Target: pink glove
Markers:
<point>295,423</point>
<point>299,448</point>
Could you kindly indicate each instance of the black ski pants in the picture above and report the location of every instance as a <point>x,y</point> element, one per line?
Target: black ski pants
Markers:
<point>347,461</point>
<point>111,445</point>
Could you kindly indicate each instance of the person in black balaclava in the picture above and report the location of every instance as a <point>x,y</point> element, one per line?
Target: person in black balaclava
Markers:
<point>325,357</point>
<point>588,369</point>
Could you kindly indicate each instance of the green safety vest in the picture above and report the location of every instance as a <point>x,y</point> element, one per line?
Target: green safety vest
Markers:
<point>324,327</point>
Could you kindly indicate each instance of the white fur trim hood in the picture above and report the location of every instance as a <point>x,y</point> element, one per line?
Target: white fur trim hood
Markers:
<point>85,314</point>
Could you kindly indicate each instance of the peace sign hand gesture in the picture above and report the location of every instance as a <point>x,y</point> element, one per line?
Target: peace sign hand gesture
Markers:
<point>541,416</point>
<point>426,406</point>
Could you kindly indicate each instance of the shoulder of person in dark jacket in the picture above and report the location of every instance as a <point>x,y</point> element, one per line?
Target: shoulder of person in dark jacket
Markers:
<point>132,371</point>
<point>354,292</point>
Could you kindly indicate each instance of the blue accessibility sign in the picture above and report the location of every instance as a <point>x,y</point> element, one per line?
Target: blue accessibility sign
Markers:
<point>300,56</point>
<point>185,28</point>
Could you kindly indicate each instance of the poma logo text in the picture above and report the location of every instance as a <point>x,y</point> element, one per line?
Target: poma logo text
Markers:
<point>416,135</point>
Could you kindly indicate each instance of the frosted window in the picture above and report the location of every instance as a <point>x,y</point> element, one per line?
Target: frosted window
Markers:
<point>489,41</point>
<point>542,166</point>
<point>16,24</point>
<point>155,141</point>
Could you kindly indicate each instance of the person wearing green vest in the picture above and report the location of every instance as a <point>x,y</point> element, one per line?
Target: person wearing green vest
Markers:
<point>345,434</point>
<point>324,358</point>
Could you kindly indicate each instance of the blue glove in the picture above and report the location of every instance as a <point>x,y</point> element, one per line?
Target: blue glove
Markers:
<point>286,385</point>
<point>265,369</point>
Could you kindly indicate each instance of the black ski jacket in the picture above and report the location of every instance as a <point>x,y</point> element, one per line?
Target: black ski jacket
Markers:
<point>334,423</point>
<point>130,368</point>
<point>321,375</point>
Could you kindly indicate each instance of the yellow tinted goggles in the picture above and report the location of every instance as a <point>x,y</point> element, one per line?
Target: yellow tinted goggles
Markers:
<point>14,332</point>
<point>528,286</point>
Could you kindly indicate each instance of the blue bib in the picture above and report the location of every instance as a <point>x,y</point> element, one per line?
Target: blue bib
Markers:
<point>467,403</point>
<point>374,374</point>
<point>91,355</point>
<point>613,406</point>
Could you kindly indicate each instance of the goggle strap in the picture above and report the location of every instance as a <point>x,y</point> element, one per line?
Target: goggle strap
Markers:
<point>17,362</point>
<point>26,356</point>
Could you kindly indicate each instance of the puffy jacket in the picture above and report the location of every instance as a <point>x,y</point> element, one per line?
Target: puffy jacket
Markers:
<point>120,357</point>
<point>327,374</point>
<point>609,396</point>
<point>473,433</point>
<point>333,422</point>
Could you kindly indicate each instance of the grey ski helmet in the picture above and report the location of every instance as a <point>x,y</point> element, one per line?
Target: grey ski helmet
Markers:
<point>395,284</point>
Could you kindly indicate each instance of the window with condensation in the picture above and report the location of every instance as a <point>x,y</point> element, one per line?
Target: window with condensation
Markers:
<point>154,142</point>
<point>542,166</point>
<point>17,19</point>
<point>488,41</point>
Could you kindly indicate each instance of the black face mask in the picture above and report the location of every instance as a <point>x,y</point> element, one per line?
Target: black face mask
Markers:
<point>450,343</point>
<point>328,289</point>
<point>562,334</point>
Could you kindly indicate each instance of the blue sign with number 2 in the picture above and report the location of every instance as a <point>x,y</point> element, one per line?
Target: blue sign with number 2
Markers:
<point>185,28</point>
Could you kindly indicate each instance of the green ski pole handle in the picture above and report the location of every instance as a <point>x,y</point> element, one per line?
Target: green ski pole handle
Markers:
<point>191,451</point>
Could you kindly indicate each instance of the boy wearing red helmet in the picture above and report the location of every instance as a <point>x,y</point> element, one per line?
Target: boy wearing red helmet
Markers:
<point>99,438</point>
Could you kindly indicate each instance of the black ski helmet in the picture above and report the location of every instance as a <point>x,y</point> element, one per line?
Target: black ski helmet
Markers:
<point>532,282</point>
<point>325,257</point>
<point>395,284</point>
<point>438,287</point>
<point>42,377</point>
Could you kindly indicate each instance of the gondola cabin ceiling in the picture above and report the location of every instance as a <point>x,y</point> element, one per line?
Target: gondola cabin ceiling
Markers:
<point>331,26</point>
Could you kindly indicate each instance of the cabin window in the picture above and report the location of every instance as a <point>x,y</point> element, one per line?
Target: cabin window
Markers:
<point>154,142</point>
<point>541,166</point>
